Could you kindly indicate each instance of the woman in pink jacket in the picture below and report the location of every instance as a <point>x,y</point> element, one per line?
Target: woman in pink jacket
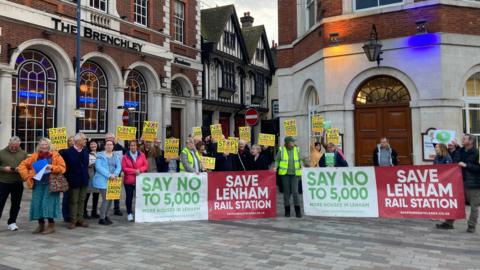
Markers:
<point>133,164</point>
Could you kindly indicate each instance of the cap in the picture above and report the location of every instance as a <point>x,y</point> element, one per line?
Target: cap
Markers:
<point>289,139</point>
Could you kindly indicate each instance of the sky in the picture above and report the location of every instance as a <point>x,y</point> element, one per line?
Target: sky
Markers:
<point>264,12</point>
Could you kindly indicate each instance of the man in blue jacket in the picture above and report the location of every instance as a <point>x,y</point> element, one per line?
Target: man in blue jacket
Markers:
<point>76,161</point>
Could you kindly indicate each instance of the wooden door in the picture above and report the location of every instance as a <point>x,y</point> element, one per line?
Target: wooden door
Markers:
<point>176,123</point>
<point>225,122</point>
<point>373,123</point>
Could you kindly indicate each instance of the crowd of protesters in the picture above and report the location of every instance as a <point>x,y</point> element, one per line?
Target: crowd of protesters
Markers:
<point>89,165</point>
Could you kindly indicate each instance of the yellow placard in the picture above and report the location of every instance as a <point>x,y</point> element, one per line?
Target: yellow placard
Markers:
<point>317,123</point>
<point>266,139</point>
<point>224,146</point>
<point>172,147</point>
<point>114,189</point>
<point>333,136</point>
<point>208,163</point>
<point>58,137</point>
<point>245,134</point>
<point>233,145</point>
<point>290,127</point>
<point>197,132</point>
<point>150,130</point>
<point>126,133</point>
<point>216,132</point>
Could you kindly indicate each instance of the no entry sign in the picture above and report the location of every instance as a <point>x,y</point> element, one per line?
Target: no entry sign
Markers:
<point>251,117</point>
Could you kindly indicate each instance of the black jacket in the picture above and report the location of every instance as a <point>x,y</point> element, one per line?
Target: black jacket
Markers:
<point>77,167</point>
<point>258,165</point>
<point>241,160</point>
<point>455,154</point>
<point>339,161</point>
<point>394,156</point>
<point>471,174</point>
<point>162,164</point>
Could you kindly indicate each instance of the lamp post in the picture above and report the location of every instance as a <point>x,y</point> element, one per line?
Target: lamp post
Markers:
<point>373,47</point>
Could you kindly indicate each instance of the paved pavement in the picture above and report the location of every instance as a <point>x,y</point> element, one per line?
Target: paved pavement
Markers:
<point>280,243</point>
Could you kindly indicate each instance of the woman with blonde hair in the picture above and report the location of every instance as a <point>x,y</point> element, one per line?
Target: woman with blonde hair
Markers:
<point>442,154</point>
<point>44,204</point>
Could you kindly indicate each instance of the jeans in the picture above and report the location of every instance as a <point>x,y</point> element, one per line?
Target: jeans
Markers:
<point>116,205</point>
<point>15,190</point>
<point>77,200</point>
<point>290,187</point>
<point>105,206</point>
<point>130,192</point>
<point>473,197</point>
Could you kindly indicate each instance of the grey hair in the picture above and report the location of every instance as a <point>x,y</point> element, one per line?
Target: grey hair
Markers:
<point>47,140</point>
<point>14,140</point>
<point>190,140</point>
<point>78,137</point>
<point>258,147</point>
<point>241,142</point>
<point>109,135</point>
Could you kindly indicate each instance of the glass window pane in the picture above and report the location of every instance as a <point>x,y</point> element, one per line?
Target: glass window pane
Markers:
<point>474,121</point>
<point>389,2</point>
<point>361,4</point>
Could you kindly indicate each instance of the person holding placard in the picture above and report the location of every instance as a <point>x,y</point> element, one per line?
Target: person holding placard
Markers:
<point>290,170</point>
<point>10,181</point>
<point>66,198</point>
<point>134,163</point>
<point>155,156</point>
<point>44,204</point>
<point>258,161</point>
<point>332,158</point>
<point>119,150</point>
<point>190,160</point>
<point>243,156</point>
<point>93,146</point>
<point>442,156</point>
<point>384,155</point>
<point>107,167</point>
<point>315,154</point>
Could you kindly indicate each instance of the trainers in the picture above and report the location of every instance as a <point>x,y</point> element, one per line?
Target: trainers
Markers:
<point>444,226</point>
<point>13,227</point>
<point>471,229</point>
<point>130,217</point>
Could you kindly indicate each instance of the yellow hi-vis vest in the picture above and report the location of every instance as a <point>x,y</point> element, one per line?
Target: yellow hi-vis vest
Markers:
<point>190,159</point>
<point>283,165</point>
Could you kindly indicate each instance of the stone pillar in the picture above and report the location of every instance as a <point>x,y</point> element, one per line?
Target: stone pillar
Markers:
<point>166,113</point>
<point>215,117</point>
<point>115,114</point>
<point>5,107</point>
<point>198,113</point>
<point>67,105</point>
<point>155,111</point>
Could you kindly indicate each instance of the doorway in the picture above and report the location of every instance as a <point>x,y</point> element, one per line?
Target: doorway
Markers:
<point>177,123</point>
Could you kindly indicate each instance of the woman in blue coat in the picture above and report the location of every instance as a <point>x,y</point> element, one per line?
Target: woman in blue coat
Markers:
<point>107,167</point>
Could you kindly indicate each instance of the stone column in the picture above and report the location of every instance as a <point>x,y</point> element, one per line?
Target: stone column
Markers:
<point>115,114</point>
<point>67,105</point>
<point>155,111</point>
<point>5,107</point>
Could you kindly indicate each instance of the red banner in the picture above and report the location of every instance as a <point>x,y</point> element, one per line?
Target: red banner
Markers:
<point>250,194</point>
<point>420,192</point>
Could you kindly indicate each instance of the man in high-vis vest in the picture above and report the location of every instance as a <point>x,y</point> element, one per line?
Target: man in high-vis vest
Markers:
<point>190,160</point>
<point>289,168</point>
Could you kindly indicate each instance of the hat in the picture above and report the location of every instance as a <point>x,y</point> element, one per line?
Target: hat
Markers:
<point>289,139</point>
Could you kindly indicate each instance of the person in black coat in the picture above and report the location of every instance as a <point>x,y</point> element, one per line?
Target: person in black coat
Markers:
<point>224,162</point>
<point>76,161</point>
<point>258,161</point>
<point>66,198</point>
<point>338,160</point>
<point>242,158</point>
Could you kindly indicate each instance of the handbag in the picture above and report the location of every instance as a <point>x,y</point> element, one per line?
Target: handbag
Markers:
<point>57,183</point>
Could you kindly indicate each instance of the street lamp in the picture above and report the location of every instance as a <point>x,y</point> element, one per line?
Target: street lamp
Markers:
<point>373,47</point>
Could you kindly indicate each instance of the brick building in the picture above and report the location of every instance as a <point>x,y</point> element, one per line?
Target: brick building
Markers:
<point>427,77</point>
<point>136,54</point>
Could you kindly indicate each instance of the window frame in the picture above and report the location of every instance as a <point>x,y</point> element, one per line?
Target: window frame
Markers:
<point>375,7</point>
<point>91,3</point>
<point>260,55</point>
<point>179,36</point>
<point>308,4</point>
<point>229,75</point>
<point>136,15</point>
<point>229,39</point>
<point>140,113</point>
<point>471,100</point>
<point>257,77</point>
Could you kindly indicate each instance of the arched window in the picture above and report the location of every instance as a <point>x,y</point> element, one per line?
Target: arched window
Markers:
<point>471,111</point>
<point>312,99</point>
<point>93,99</point>
<point>382,90</point>
<point>34,95</point>
<point>177,89</point>
<point>135,98</point>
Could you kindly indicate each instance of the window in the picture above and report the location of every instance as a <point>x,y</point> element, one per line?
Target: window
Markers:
<point>99,4</point>
<point>229,39</point>
<point>177,89</point>
<point>275,108</point>
<point>260,54</point>
<point>141,11</point>
<point>34,96</point>
<point>471,111</point>
<point>382,90</point>
<point>93,99</point>
<point>259,85</point>
<point>179,21</point>
<point>365,4</point>
<point>229,75</point>
<point>310,13</point>
<point>135,96</point>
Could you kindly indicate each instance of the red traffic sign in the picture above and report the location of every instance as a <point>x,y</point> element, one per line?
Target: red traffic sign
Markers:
<point>125,117</point>
<point>251,117</point>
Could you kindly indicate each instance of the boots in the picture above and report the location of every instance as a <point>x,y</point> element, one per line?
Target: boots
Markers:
<point>40,228</point>
<point>298,211</point>
<point>287,211</point>
<point>50,229</point>
<point>94,213</point>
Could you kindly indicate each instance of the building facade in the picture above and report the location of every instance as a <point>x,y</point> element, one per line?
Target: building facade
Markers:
<point>136,54</point>
<point>238,69</point>
<point>427,77</point>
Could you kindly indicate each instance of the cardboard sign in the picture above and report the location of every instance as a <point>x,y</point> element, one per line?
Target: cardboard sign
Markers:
<point>197,132</point>
<point>443,136</point>
<point>58,138</point>
<point>172,147</point>
<point>317,123</point>
<point>245,134</point>
<point>330,159</point>
<point>333,136</point>
<point>290,127</point>
<point>208,163</point>
<point>126,133</point>
<point>225,146</point>
<point>266,139</point>
<point>327,124</point>
<point>216,132</point>
<point>114,189</point>
<point>241,195</point>
<point>150,130</point>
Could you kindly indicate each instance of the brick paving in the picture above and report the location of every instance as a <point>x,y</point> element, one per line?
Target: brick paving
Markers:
<point>279,243</point>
